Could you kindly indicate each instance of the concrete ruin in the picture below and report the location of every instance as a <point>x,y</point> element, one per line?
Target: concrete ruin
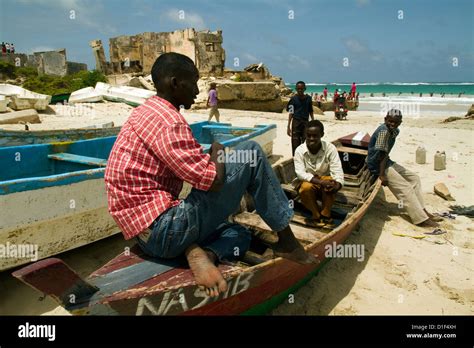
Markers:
<point>47,62</point>
<point>137,53</point>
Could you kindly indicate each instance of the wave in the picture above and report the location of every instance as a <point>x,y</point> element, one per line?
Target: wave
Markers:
<point>392,84</point>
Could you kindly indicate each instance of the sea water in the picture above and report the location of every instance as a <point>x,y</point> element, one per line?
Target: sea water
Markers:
<point>455,97</point>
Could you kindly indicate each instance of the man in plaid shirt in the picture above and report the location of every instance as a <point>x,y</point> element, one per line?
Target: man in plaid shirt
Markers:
<point>156,151</point>
<point>404,184</point>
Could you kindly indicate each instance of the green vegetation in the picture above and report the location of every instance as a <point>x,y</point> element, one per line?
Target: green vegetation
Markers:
<point>48,84</point>
<point>242,77</point>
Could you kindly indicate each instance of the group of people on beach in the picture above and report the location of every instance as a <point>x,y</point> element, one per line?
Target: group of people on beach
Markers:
<point>155,152</point>
<point>319,168</point>
<point>7,48</point>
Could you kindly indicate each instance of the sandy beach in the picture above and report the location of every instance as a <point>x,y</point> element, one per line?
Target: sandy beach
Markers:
<point>399,275</point>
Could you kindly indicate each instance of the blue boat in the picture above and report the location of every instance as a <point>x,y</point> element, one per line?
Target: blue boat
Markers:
<point>53,195</point>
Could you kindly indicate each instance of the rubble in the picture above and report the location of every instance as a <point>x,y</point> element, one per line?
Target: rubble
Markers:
<point>21,99</point>
<point>23,116</point>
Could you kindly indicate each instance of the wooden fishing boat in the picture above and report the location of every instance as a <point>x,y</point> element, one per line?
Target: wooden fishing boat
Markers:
<point>53,195</point>
<point>31,137</point>
<point>134,284</point>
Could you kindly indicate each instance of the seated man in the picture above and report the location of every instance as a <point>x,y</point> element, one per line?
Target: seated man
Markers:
<point>156,151</point>
<point>319,168</point>
<point>403,183</point>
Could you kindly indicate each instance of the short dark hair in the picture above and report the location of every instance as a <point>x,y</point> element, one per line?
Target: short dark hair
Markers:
<point>394,113</point>
<point>317,124</point>
<point>300,83</point>
<point>169,65</point>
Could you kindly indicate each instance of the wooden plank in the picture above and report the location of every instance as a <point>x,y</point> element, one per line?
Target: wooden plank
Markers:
<point>252,220</point>
<point>342,148</point>
<point>69,157</point>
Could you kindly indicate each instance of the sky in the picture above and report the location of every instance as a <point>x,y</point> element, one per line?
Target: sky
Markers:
<point>311,40</point>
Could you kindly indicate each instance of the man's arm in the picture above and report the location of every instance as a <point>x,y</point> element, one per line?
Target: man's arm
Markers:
<point>311,109</point>
<point>288,130</point>
<point>215,150</point>
<point>383,157</point>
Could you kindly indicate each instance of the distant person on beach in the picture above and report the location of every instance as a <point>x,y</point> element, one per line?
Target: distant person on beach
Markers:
<point>12,48</point>
<point>319,168</point>
<point>7,45</point>
<point>325,93</point>
<point>336,95</point>
<point>4,48</point>
<point>300,108</point>
<point>212,102</point>
<point>353,90</point>
<point>403,183</point>
<point>156,151</point>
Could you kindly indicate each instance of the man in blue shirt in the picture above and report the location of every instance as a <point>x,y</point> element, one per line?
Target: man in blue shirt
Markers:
<point>403,183</point>
<point>300,108</point>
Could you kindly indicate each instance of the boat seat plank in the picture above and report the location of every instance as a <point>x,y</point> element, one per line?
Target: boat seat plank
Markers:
<point>342,148</point>
<point>254,221</point>
<point>69,157</point>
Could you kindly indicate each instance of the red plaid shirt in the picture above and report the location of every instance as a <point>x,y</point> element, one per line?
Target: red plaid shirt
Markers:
<point>154,153</point>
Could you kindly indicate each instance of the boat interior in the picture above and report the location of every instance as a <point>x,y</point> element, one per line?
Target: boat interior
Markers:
<point>358,186</point>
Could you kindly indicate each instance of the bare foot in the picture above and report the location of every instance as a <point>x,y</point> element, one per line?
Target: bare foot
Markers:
<point>289,248</point>
<point>432,217</point>
<point>428,223</point>
<point>205,272</point>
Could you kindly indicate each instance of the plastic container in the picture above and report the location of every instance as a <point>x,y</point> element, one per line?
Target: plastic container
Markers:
<point>439,161</point>
<point>421,155</point>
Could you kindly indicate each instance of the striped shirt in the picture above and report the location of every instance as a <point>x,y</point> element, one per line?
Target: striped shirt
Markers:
<point>154,153</point>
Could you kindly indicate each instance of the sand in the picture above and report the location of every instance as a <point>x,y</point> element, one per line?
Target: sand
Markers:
<point>399,275</point>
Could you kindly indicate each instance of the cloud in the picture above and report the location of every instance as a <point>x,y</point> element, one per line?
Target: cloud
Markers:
<point>249,57</point>
<point>360,49</point>
<point>362,2</point>
<point>86,12</point>
<point>188,19</point>
<point>296,61</point>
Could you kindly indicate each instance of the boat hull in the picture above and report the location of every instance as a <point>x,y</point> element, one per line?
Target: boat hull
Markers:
<point>19,138</point>
<point>54,219</point>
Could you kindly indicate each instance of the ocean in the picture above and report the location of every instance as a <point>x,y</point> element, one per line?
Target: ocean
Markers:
<point>447,97</point>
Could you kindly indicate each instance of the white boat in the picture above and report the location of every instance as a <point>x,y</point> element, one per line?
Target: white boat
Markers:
<point>22,99</point>
<point>125,94</point>
<point>85,95</point>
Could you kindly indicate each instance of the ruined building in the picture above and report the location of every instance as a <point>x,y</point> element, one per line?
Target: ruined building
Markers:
<point>47,62</point>
<point>129,54</point>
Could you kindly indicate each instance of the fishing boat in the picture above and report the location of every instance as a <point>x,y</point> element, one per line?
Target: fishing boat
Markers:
<point>31,137</point>
<point>53,195</point>
<point>134,284</point>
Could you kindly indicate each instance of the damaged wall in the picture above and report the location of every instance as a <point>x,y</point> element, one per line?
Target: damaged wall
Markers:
<point>137,53</point>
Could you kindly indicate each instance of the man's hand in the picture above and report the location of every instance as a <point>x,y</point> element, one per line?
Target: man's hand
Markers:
<point>384,180</point>
<point>220,166</point>
<point>215,147</point>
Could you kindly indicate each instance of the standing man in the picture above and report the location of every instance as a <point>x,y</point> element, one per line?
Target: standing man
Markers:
<point>212,101</point>
<point>325,92</point>
<point>353,90</point>
<point>155,152</point>
<point>404,184</point>
<point>300,107</point>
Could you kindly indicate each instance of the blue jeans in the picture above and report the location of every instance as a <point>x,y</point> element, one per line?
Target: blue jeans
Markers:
<point>201,218</point>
